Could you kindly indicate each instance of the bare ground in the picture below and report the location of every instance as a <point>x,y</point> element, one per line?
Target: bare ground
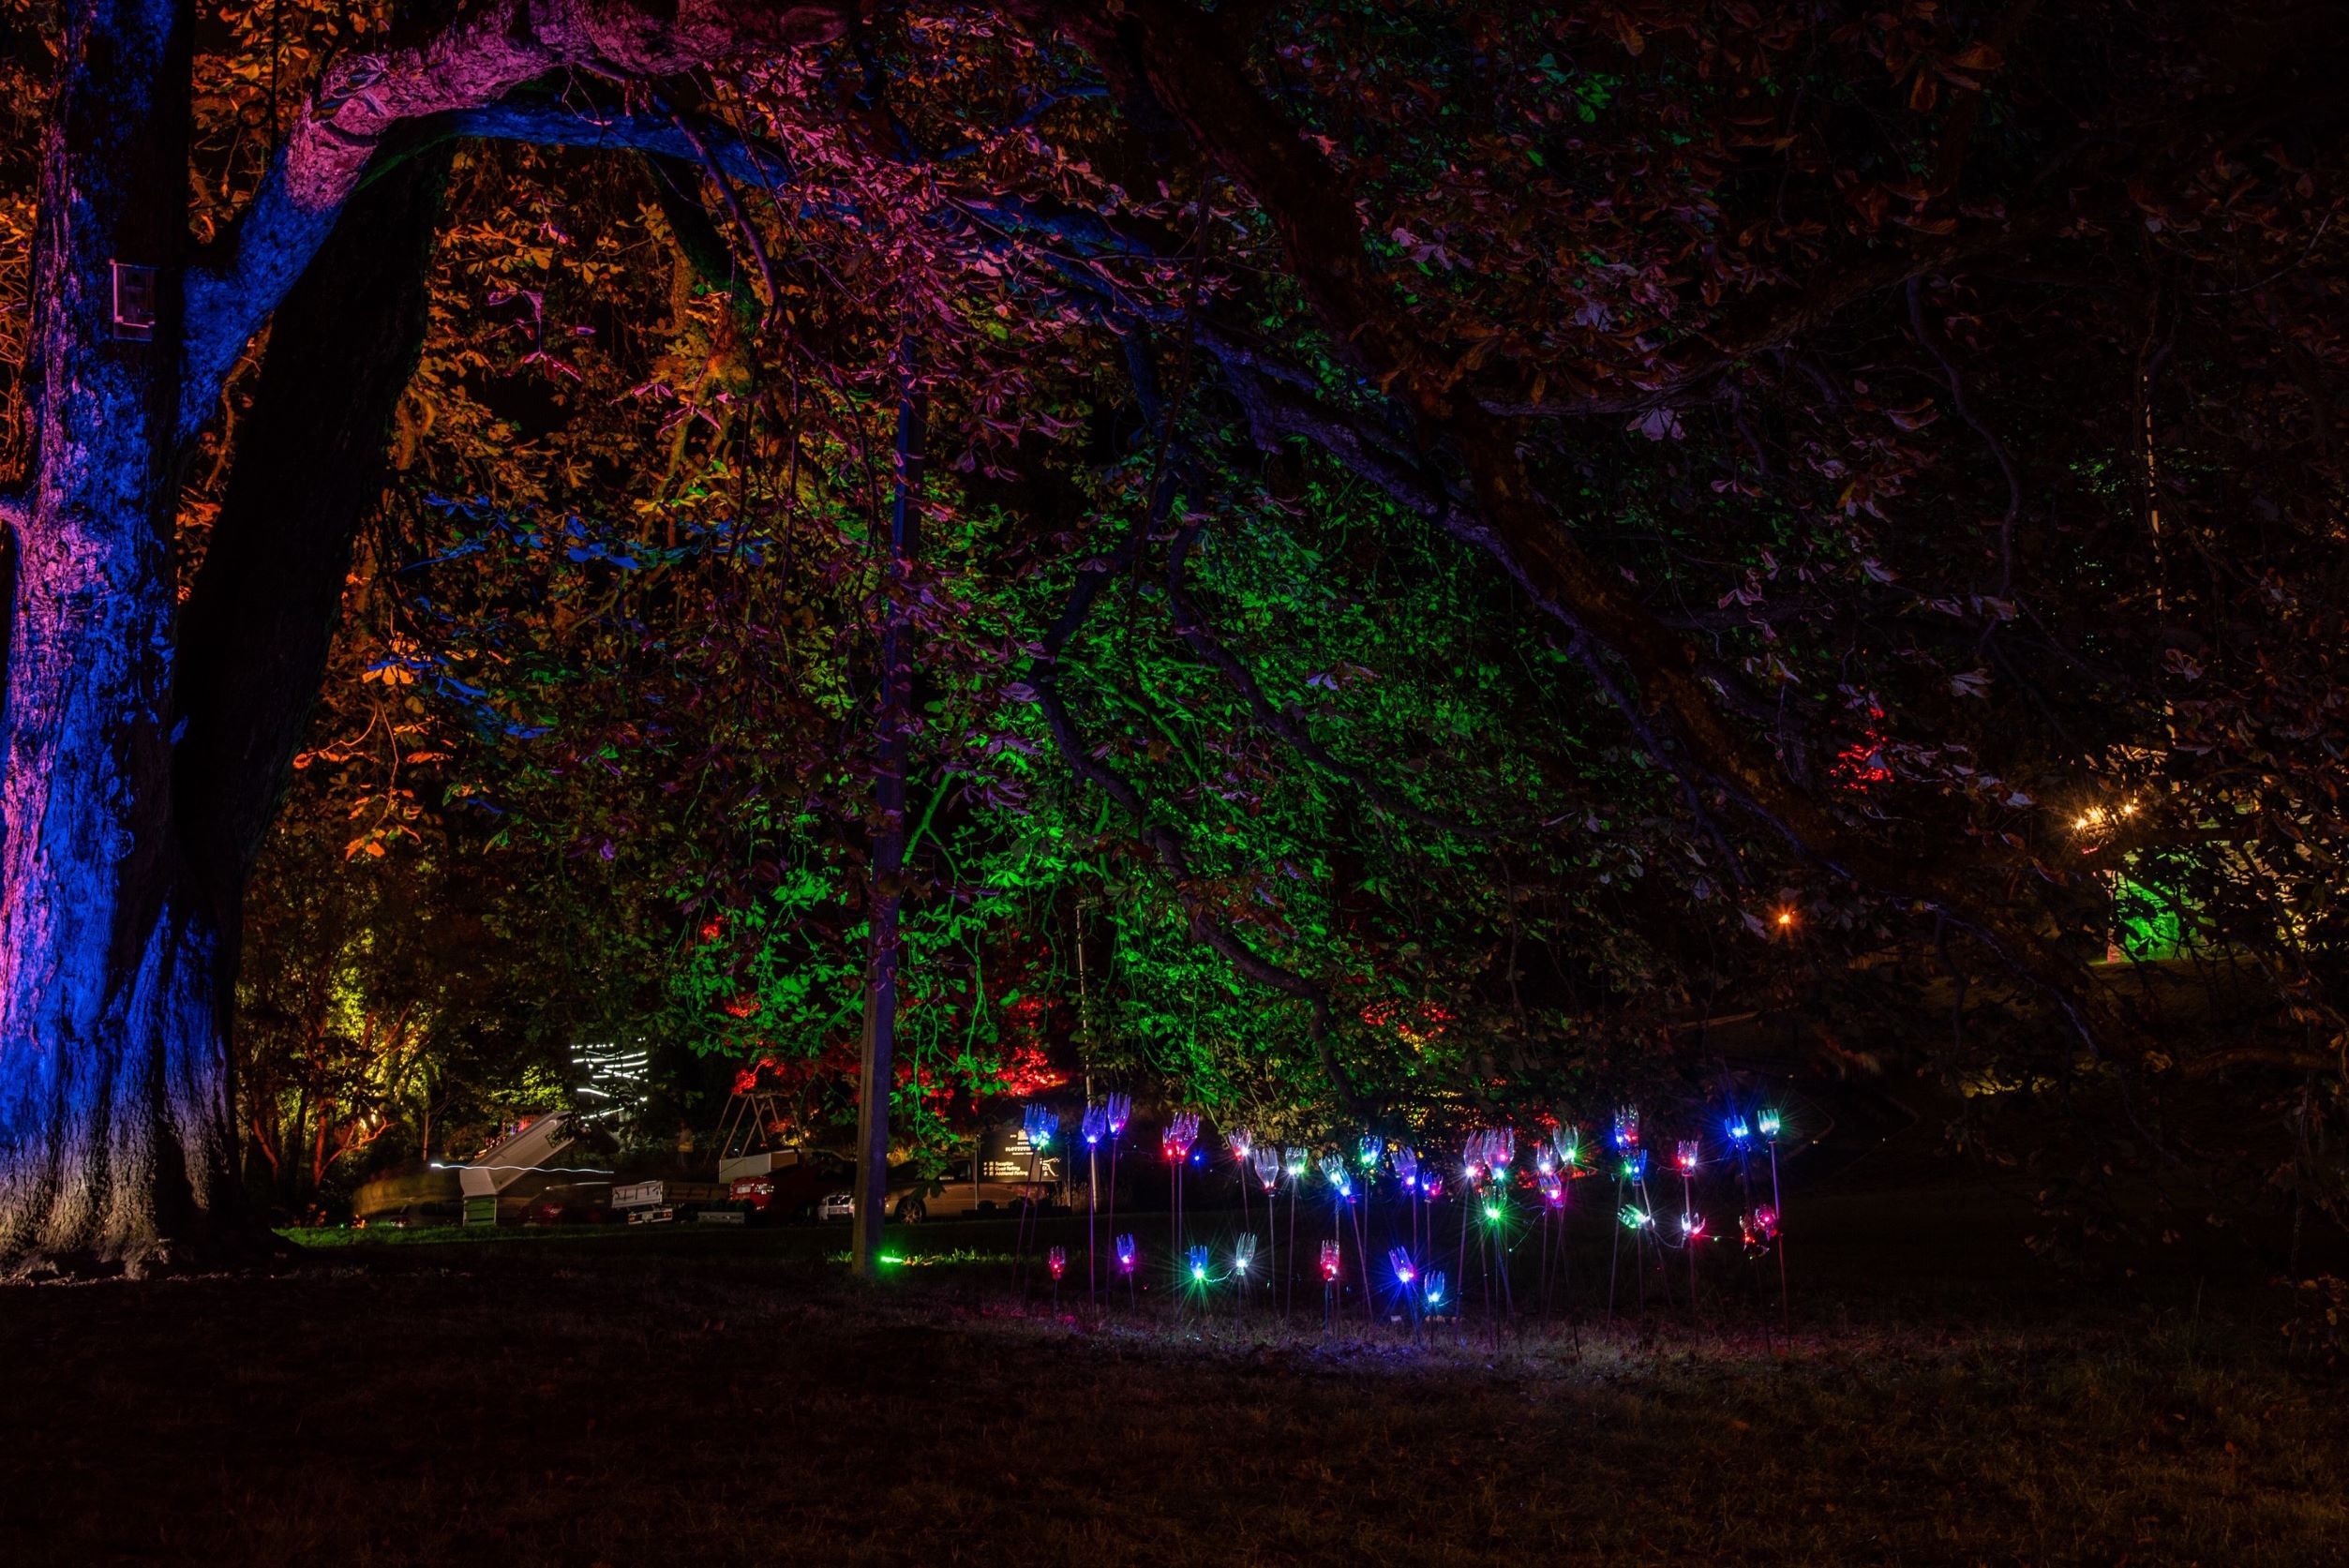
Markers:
<point>719,1399</point>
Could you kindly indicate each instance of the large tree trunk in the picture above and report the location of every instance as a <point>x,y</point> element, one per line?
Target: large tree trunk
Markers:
<point>115,1126</point>
<point>118,902</point>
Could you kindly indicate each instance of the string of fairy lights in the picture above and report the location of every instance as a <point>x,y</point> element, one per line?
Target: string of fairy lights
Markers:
<point>1392,1213</point>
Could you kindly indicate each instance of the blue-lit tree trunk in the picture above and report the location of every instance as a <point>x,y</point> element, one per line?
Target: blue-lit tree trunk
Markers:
<point>115,1131</point>
<point>145,758</point>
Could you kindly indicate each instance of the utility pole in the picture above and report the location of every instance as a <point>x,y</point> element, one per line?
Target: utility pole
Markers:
<point>887,898</point>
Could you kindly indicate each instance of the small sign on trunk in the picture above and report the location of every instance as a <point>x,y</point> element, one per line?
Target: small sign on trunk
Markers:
<point>134,302</point>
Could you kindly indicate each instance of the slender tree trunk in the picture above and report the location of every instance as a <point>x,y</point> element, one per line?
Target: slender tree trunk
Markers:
<point>129,823</point>
<point>876,1076</point>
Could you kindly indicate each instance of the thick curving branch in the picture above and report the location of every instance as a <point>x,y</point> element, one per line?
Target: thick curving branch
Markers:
<point>490,49</point>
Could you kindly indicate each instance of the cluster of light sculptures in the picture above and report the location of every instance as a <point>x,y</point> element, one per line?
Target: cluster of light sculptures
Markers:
<point>1503,1192</point>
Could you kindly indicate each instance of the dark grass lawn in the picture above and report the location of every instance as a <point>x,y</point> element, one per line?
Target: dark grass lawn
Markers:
<point>707,1397</point>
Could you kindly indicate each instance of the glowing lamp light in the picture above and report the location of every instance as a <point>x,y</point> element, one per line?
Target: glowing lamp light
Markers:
<point>1568,1145</point>
<point>1243,1143</point>
<point>1636,1166</point>
<point>1332,1263</point>
<point>1739,1131</point>
<point>1094,1126</point>
<point>1501,1149</point>
<point>1407,1164</point>
<point>1267,1163</point>
<point>1436,1283</point>
<point>1784,919</point>
<point>1635,1218</point>
<point>1181,1132</point>
<point>1554,1193</point>
<point>1767,1122</point>
<point>1127,1253</point>
<point>1399,1260</point>
<point>1199,1264</point>
<point>1041,1123</point>
<point>1685,1154</point>
<point>1430,1181</point>
<point>1370,1152</point>
<point>1692,1227</point>
<point>1334,1171</point>
<point>1294,1160</point>
<point>1057,1261</point>
<point>1120,1110</point>
<point>1765,1222</point>
<point>1627,1127</point>
<point>1492,1214</point>
<point>1243,1253</point>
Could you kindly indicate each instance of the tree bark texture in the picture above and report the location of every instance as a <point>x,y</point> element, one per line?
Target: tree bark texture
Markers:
<point>144,759</point>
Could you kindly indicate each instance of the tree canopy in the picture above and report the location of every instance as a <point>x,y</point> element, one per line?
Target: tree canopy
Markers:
<point>1455,541</point>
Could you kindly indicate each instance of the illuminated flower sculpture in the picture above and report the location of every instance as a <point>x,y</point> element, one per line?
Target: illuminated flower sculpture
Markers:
<point>1340,1179</point>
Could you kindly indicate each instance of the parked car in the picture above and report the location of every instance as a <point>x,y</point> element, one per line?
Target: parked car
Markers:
<point>960,1193</point>
<point>908,1198</point>
<point>794,1189</point>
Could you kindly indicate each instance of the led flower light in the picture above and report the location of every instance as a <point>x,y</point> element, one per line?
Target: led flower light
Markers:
<point>1499,1148</point>
<point>1127,1253</point>
<point>1545,1162</point>
<point>1407,1164</point>
<point>1243,1143</point>
<point>1267,1163</point>
<point>1692,1227</point>
<point>1765,1222</point>
<point>1492,1214</point>
<point>1369,1151</point>
<point>1635,1218</point>
<point>1685,1154</point>
<point>1119,1109</point>
<point>1627,1127</point>
<point>1041,1123</point>
<point>1430,1182</point>
<point>1636,1166</point>
<point>1739,1131</point>
<point>1554,1193</point>
<point>1568,1145</point>
<point>1333,1262</point>
<point>1294,1160</point>
<point>1767,1122</point>
<point>1399,1258</point>
<point>1436,1283</point>
<point>1057,1261</point>
<point>1199,1264</point>
<point>1243,1253</point>
<point>1094,1126</point>
<point>1182,1131</point>
<point>1340,1179</point>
